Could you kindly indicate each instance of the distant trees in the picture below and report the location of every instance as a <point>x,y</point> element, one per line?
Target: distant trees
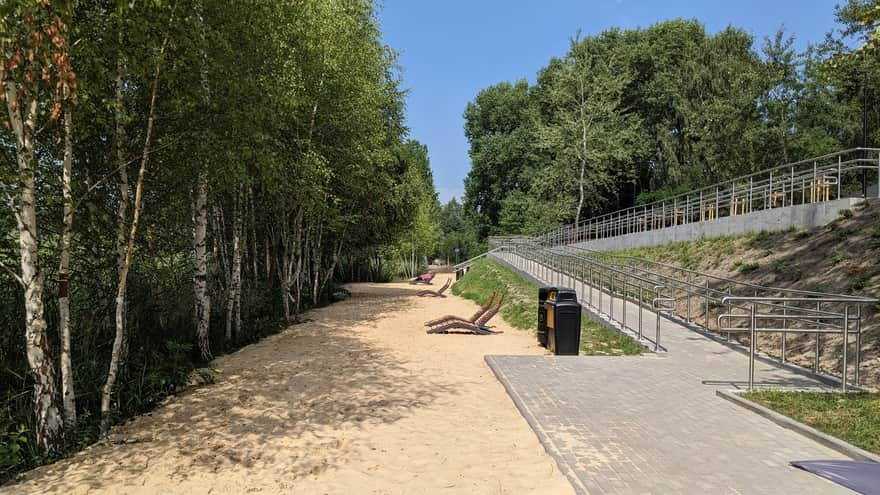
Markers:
<point>227,163</point>
<point>629,116</point>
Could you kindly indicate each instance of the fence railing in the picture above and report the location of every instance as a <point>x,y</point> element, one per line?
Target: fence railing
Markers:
<point>602,286</point>
<point>712,304</point>
<point>825,178</point>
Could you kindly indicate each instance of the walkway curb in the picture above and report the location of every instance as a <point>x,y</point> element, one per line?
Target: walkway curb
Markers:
<point>834,443</point>
<point>543,437</point>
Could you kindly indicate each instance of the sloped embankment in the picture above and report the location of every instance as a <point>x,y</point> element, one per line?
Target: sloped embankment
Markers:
<point>519,309</point>
<point>842,257</point>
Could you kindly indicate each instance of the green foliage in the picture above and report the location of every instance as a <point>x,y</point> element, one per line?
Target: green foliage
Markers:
<point>874,234</point>
<point>293,111</point>
<point>858,281</point>
<point>671,108</point>
<point>787,270</point>
<point>456,231</point>
<point>845,213</point>
<point>839,256</point>
<point>13,450</point>
<point>746,268</point>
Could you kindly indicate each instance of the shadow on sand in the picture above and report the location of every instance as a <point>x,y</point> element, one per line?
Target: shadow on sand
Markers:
<point>280,401</point>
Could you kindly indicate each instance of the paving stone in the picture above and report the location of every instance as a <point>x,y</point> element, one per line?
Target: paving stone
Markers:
<point>634,425</point>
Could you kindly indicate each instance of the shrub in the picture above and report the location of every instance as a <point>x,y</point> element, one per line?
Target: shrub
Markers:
<point>748,267</point>
<point>858,281</point>
<point>845,213</point>
<point>838,257</point>
<point>875,236</point>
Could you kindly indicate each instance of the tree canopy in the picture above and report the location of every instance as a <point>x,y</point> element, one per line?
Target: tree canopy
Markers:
<point>629,116</point>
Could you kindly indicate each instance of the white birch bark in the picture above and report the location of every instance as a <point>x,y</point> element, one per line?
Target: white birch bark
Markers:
<point>235,269</point>
<point>200,267</point>
<point>68,393</point>
<point>129,250</point>
<point>49,427</point>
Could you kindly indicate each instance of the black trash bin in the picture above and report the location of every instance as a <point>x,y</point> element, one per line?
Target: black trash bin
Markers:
<point>563,323</point>
<point>543,295</point>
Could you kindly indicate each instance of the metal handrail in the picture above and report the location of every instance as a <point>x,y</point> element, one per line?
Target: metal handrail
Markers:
<point>473,260</point>
<point>803,182</point>
<point>824,315</point>
<point>552,266</point>
<point>823,323</point>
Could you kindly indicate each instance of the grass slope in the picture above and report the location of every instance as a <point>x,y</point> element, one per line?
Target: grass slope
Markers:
<point>519,310</point>
<point>854,418</point>
<point>840,257</point>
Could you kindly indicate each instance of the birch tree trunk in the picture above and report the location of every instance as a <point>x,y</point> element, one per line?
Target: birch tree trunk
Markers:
<point>200,222</point>
<point>583,154</point>
<point>67,388</point>
<point>200,267</point>
<point>235,275</point>
<point>129,250</point>
<point>122,167</point>
<point>49,428</point>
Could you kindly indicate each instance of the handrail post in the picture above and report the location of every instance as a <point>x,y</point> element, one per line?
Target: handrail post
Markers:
<point>750,196</point>
<point>688,292</point>
<point>717,203</point>
<point>839,177</point>
<point>858,343</point>
<point>732,212</point>
<point>641,304</point>
<point>845,347</point>
<point>591,285</point>
<point>752,338</point>
<point>818,338</point>
<point>657,331</point>
<point>611,293</point>
<point>784,327</point>
<point>707,304</point>
<point>729,307</point>
<point>624,301</point>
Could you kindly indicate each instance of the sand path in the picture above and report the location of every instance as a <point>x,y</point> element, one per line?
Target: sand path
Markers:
<point>358,400</point>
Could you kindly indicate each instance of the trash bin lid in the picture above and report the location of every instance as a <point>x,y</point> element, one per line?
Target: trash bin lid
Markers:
<point>566,294</point>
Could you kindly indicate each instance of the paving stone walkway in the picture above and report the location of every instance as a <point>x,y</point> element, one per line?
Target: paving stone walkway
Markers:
<point>653,424</point>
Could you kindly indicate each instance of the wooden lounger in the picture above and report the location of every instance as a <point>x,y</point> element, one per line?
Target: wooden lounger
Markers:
<point>478,327</point>
<point>425,279</point>
<point>472,319</point>
<point>435,293</point>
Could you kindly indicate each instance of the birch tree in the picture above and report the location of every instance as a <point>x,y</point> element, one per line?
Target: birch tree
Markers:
<point>38,81</point>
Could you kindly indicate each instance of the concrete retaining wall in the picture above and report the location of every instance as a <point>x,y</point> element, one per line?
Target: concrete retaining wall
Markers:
<point>800,216</point>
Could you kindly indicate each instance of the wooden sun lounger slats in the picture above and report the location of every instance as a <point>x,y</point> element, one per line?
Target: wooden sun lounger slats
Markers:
<point>478,327</point>
<point>435,293</point>
<point>472,319</point>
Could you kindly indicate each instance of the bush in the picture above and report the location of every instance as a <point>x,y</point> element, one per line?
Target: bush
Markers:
<point>748,268</point>
<point>845,213</point>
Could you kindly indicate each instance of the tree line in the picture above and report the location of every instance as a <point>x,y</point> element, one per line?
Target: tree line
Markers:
<point>630,116</point>
<point>180,178</point>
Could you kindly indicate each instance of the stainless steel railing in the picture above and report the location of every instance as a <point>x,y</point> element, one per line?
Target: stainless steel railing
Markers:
<point>697,299</point>
<point>825,178</point>
<point>788,315</point>
<point>599,284</point>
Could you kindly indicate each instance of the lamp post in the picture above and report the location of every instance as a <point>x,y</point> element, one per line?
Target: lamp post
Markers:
<point>864,73</point>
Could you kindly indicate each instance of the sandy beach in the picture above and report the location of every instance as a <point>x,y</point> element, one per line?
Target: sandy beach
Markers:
<point>359,399</point>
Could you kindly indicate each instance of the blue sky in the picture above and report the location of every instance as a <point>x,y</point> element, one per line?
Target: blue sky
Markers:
<point>450,49</point>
